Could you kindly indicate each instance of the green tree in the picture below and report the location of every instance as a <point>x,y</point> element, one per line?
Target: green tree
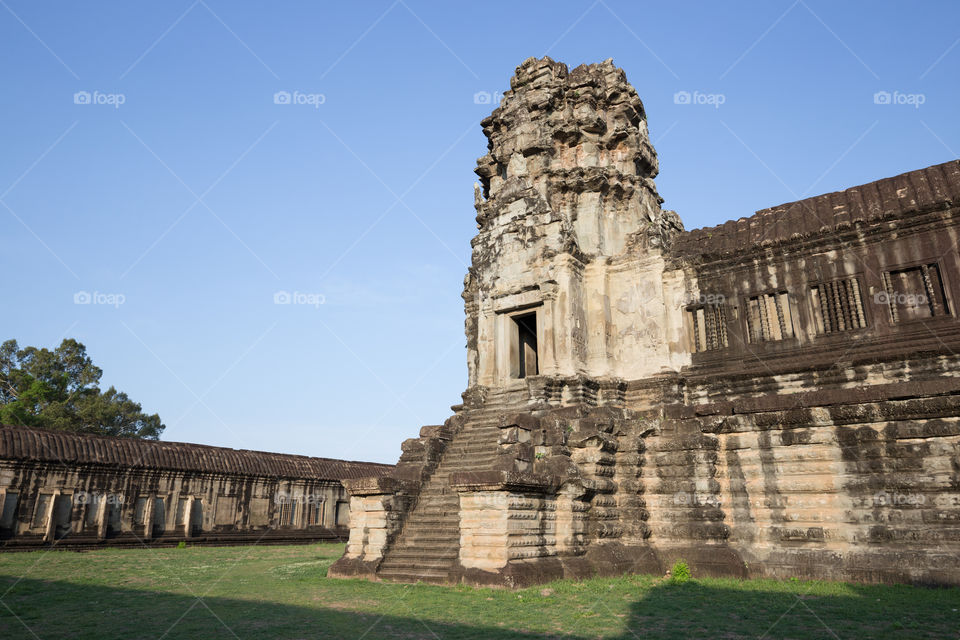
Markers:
<point>59,390</point>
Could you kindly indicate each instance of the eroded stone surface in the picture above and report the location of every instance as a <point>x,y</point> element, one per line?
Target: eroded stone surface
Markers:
<point>776,396</point>
<point>74,490</point>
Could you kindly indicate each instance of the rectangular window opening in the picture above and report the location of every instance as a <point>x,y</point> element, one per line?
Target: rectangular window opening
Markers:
<point>914,293</point>
<point>196,516</point>
<point>768,317</point>
<point>525,357</point>
<point>838,306</point>
<point>159,514</point>
<point>140,511</point>
<point>9,510</point>
<point>286,514</point>
<point>41,509</point>
<point>709,327</point>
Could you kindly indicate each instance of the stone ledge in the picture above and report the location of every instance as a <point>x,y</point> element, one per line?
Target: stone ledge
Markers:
<point>503,481</point>
<point>378,486</point>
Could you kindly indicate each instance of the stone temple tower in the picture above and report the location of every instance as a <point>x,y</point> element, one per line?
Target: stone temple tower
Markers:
<point>777,396</point>
<point>570,231</point>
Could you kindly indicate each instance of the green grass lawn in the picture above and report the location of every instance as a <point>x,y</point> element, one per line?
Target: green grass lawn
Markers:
<point>283,592</point>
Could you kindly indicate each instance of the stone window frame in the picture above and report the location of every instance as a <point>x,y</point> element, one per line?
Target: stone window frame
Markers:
<point>790,309</point>
<point>723,310</point>
<point>166,498</point>
<point>48,508</point>
<point>318,510</point>
<point>5,494</point>
<point>946,302</point>
<point>865,320</point>
<point>139,517</point>
<point>504,338</point>
<point>91,509</point>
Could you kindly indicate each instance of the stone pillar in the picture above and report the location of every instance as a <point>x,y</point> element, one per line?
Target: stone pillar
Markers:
<point>505,516</point>
<point>377,509</point>
<point>571,520</point>
<point>484,529</point>
<point>188,519</point>
<point>49,534</point>
<point>148,517</point>
<point>102,514</point>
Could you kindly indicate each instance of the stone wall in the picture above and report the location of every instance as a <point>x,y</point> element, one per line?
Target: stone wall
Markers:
<point>775,396</point>
<point>72,490</point>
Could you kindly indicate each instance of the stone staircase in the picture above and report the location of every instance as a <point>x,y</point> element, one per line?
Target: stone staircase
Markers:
<point>429,543</point>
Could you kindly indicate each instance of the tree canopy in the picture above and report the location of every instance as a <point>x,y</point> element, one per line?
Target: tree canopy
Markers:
<point>59,390</point>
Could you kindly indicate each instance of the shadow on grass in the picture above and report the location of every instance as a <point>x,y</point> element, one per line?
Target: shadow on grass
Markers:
<point>720,609</point>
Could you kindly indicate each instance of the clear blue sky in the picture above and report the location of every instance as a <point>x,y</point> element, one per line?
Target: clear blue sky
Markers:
<point>198,198</point>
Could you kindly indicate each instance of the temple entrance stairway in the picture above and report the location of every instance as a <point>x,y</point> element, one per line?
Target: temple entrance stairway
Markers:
<point>428,546</point>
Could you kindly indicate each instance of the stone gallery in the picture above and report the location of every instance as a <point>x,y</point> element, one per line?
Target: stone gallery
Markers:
<point>776,396</point>
<point>72,490</point>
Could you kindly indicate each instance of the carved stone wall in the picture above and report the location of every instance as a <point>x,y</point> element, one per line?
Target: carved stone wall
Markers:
<point>71,490</point>
<point>775,396</point>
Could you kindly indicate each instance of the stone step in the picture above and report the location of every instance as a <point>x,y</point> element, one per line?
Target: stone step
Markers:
<point>429,544</point>
<point>437,556</point>
<point>415,535</point>
<point>404,575</point>
<point>445,519</point>
<point>416,567</point>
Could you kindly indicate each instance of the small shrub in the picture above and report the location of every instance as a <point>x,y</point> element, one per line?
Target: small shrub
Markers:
<point>181,545</point>
<point>680,572</point>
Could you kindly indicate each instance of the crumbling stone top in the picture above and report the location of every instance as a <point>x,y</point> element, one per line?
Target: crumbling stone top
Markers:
<point>44,445</point>
<point>917,191</point>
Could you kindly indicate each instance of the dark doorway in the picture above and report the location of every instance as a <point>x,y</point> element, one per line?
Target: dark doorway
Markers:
<point>62,510</point>
<point>527,344</point>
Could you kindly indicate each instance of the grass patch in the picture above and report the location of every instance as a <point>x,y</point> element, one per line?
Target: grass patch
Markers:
<point>283,592</point>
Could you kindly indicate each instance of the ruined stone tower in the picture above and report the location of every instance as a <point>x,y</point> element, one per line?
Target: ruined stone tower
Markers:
<point>776,396</point>
<point>570,233</point>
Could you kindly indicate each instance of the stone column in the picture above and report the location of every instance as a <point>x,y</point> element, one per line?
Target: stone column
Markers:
<point>505,516</point>
<point>102,514</point>
<point>377,509</point>
<point>51,510</point>
<point>484,530</point>
<point>148,517</point>
<point>188,519</point>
